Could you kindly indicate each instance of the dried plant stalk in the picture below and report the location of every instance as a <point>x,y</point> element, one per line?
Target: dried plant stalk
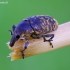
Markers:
<point>37,46</point>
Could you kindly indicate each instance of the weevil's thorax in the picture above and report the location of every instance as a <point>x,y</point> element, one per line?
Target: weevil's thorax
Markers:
<point>24,29</point>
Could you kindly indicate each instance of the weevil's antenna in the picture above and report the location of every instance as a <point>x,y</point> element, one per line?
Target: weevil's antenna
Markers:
<point>10,32</point>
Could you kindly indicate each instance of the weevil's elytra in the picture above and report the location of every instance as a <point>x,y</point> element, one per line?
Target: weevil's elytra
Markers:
<point>34,27</point>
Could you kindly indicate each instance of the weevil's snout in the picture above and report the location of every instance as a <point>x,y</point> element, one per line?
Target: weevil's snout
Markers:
<point>11,44</point>
<point>14,39</point>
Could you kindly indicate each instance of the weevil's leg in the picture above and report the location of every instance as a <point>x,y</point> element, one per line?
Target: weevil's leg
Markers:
<point>10,32</point>
<point>13,27</point>
<point>25,47</point>
<point>51,37</point>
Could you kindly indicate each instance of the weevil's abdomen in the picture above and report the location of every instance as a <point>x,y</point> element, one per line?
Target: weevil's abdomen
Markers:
<point>43,24</point>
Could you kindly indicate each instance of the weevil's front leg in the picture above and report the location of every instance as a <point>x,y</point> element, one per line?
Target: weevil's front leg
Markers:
<point>10,32</point>
<point>25,47</point>
<point>51,37</point>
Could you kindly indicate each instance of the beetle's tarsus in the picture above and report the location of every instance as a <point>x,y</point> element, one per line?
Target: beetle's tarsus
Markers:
<point>49,35</point>
<point>25,47</point>
<point>50,42</point>
<point>10,32</point>
<point>22,54</point>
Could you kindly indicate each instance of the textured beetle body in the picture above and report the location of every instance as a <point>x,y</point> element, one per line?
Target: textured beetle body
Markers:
<point>35,27</point>
<point>41,24</point>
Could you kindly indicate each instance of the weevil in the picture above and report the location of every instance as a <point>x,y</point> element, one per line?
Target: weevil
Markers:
<point>35,27</point>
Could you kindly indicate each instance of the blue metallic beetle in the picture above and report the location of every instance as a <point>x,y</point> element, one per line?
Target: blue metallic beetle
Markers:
<point>35,27</point>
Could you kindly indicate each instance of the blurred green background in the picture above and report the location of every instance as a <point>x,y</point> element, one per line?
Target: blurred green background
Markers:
<point>16,10</point>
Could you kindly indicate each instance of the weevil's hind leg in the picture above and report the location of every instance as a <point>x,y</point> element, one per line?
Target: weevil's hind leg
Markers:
<point>51,37</point>
<point>25,47</point>
<point>13,27</point>
<point>10,32</point>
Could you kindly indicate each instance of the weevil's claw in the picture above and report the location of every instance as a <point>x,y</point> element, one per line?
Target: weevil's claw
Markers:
<point>22,54</point>
<point>50,42</point>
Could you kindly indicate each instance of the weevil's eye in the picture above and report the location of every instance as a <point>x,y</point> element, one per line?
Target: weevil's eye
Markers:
<point>17,36</point>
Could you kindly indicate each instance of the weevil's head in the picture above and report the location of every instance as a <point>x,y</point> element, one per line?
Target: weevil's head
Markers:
<point>23,29</point>
<point>16,35</point>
